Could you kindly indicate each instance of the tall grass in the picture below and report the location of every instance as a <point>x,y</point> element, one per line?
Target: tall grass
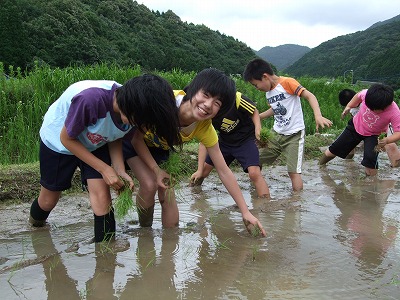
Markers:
<point>26,96</point>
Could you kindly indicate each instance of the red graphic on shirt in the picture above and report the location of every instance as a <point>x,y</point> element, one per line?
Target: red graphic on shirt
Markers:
<point>95,138</point>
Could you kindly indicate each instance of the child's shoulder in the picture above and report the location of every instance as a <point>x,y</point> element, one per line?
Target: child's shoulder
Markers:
<point>290,85</point>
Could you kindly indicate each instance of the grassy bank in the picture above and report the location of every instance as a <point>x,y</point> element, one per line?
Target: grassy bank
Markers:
<point>20,182</point>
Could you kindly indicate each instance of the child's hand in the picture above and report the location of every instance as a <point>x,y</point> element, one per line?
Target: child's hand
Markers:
<point>345,111</point>
<point>322,122</point>
<point>196,178</point>
<point>111,178</point>
<point>382,142</point>
<point>128,180</point>
<point>253,225</point>
<point>162,178</point>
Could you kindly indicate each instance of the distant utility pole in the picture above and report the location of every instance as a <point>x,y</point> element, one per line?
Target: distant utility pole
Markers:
<point>352,75</point>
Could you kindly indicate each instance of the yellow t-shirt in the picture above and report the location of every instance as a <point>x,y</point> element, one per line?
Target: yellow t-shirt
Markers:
<point>203,131</point>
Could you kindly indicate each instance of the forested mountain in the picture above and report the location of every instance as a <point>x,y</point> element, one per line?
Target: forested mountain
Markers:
<point>282,56</point>
<point>372,55</point>
<point>65,32</point>
<point>75,32</point>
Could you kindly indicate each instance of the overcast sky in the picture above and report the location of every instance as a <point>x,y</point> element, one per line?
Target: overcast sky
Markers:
<point>260,23</point>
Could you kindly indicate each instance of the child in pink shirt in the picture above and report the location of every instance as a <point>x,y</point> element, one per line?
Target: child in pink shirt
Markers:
<point>377,110</point>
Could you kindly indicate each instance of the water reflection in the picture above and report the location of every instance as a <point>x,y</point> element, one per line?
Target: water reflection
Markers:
<point>57,282</point>
<point>362,226</point>
<point>335,240</point>
<point>101,285</point>
<point>156,268</point>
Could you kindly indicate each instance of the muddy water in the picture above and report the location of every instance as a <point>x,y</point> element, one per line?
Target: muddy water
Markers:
<point>338,239</point>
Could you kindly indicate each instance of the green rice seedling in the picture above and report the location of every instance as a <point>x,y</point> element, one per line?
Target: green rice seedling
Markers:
<point>178,168</point>
<point>255,250</point>
<point>395,280</point>
<point>265,135</point>
<point>380,148</point>
<point>221,245</point>
<point>123,203</point>
<point>174,166</point>
<point>255,231</point>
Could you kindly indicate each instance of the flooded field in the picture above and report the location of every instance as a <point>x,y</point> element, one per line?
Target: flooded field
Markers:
<point>338,239</point>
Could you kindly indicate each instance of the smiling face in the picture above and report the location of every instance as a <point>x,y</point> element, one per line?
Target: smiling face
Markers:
<point>204,106</point>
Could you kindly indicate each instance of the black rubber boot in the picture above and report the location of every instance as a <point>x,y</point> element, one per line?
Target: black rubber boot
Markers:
<point>104,227</point>
<point>37,215</point>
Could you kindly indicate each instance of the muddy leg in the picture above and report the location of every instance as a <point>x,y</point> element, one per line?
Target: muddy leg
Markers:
<point>146,216</point>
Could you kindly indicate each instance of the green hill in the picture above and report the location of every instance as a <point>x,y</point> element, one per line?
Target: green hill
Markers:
<point>372,54</point>
<point>81,32</point>
<point>282,56</point>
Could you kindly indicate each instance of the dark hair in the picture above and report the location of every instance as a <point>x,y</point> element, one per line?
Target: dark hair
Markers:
<point>379,96</point>
<point>256,68</point>
<point>148,101</point>
<point>345,96</point>
<point>215,83</point>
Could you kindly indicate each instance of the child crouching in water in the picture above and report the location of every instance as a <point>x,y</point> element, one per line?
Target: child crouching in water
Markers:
<point>210,94</point>
<point>377,111</point>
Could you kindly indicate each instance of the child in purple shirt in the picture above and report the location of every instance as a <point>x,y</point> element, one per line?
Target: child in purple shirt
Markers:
<point>84,128</point>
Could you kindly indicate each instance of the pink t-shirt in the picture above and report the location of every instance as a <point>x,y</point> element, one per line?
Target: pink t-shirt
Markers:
<point>368,122</point>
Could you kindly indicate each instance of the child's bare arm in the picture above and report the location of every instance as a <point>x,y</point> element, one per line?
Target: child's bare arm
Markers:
<point>257,124</point>
<point>200,163</point>
<point>320,120</point>
<point>390,139</point>
<point>266,114</point>
<point>79,150</point>
<point>354,102</point>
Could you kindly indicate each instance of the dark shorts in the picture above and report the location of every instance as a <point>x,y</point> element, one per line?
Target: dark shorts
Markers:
<point>57,170</point>
<point>349,139</point>
<point>246,154</point>
<point>159,155</point>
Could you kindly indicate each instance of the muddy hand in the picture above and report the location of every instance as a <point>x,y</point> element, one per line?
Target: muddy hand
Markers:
<point>254,229</point>
<point>196,179</point>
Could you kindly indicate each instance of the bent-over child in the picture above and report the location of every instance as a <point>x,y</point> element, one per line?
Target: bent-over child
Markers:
<point>84,128</point>
<point>210,94</point>
<point>377,111</point>
<point>391,149</point>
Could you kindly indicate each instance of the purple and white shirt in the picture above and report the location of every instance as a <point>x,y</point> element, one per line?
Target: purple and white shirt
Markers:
<point>86,110</point>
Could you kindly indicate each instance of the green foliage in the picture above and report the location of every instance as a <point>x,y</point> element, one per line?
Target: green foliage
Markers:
<point>26,96</point>
<point>372,54</point>
<point>63,33</point>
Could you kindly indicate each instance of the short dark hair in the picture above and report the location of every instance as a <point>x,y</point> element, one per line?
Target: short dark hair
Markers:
<point>345,96</point>
<point>379,96</point>
<point>256,68</point>
<point>215,83</point>
<point>148,101</point>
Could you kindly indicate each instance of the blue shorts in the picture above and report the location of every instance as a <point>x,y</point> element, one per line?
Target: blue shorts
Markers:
<point>159,155</point>
<point>349,139</point>
<point>57,170</point>
<point>246,154</point>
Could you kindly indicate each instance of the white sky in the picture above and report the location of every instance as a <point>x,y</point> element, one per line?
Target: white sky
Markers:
<point>260,23</point>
